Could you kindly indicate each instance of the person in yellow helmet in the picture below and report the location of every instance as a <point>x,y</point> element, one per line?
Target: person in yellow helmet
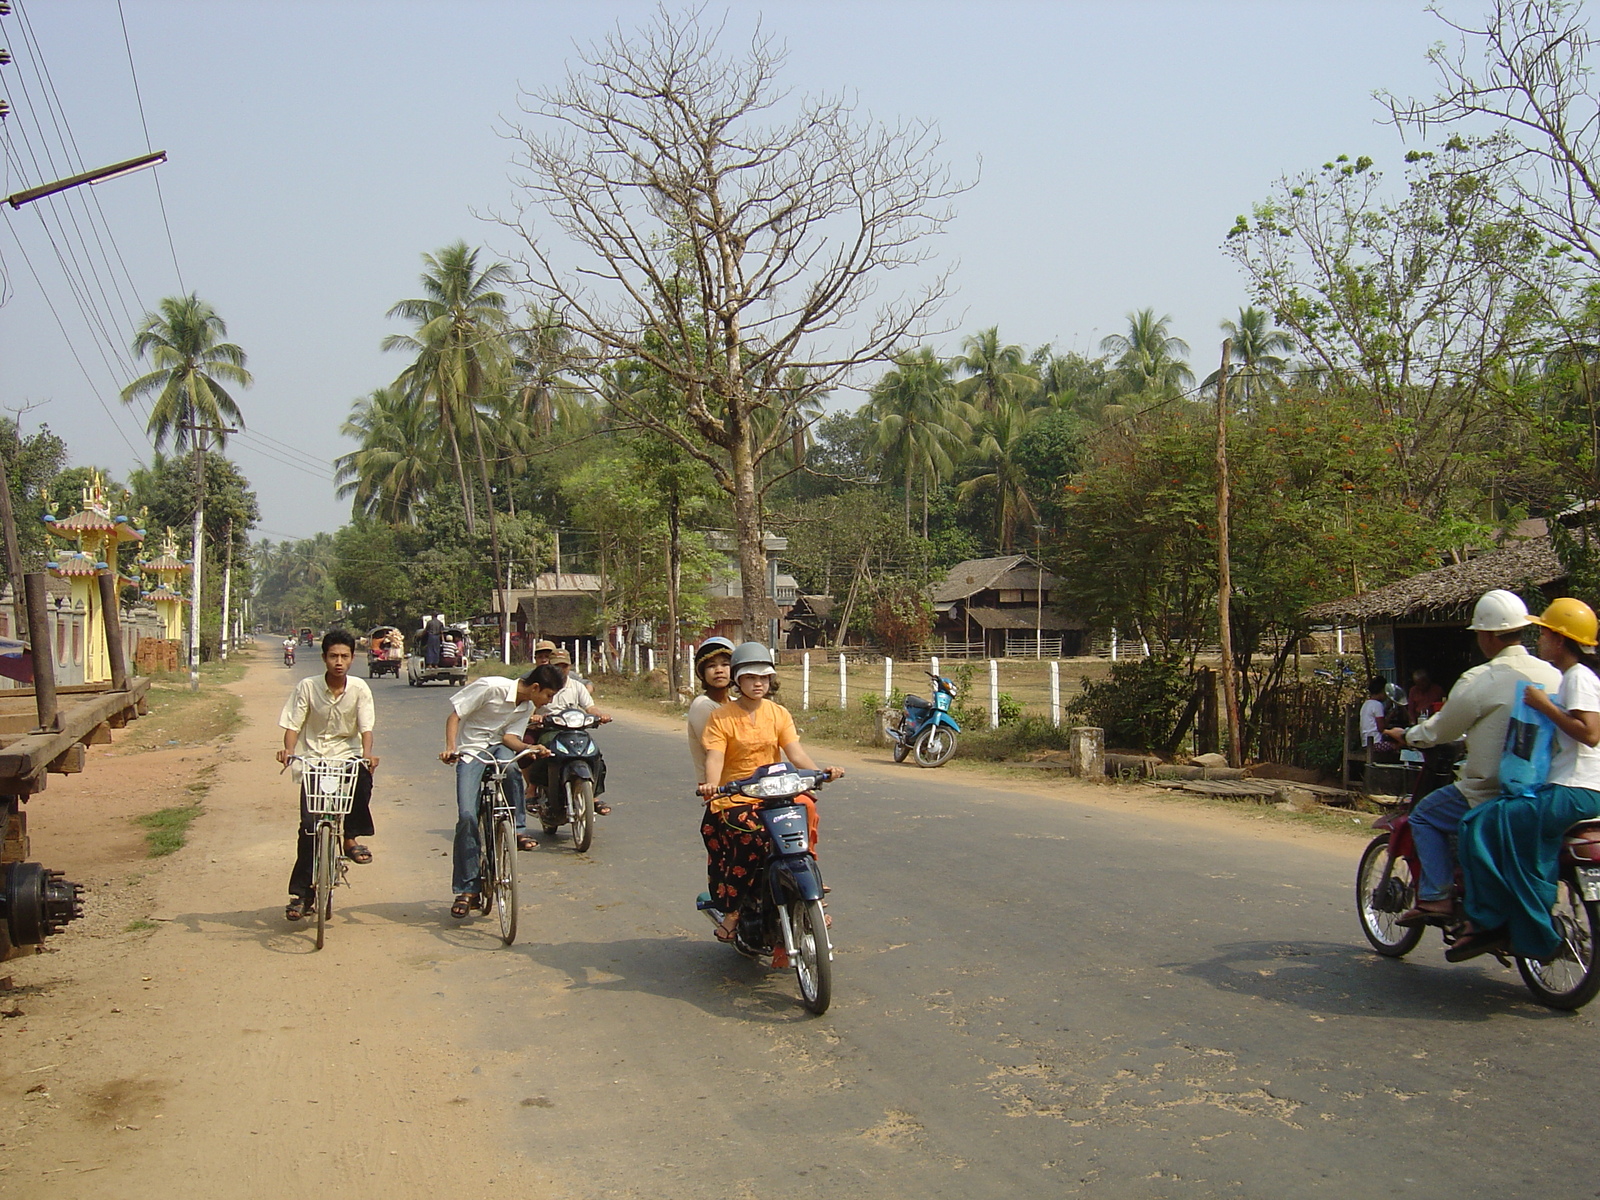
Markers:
<point>1510,848</point>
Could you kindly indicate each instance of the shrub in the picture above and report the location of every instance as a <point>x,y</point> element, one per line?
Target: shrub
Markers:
<point>1138,705</point>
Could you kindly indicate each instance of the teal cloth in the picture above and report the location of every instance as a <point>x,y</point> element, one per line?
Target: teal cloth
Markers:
<point>1510,851</point>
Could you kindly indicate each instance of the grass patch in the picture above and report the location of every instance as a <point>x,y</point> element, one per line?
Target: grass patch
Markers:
<point>180,716</point>
<point>166,829</point>
<point>139,926</point>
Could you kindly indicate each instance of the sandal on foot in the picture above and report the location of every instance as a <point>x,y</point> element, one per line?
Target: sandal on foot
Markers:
<point>725,931</point>
<point>357,853</point>
<point>602,809</point>
<point>524,842</point>
<point>464,904</point>
<point>296,909</point>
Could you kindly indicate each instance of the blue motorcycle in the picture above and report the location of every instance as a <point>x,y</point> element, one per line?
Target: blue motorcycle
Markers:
<point>785,919</point>
<point>925,728</point>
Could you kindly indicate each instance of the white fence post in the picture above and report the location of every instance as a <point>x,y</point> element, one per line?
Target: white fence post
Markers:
<point>888,677</point>
<point>1055,694</point>
<point>805,681</point>
<point>650,658</point>
<point>933,664</point>
<point>844,688</point>
<point>994,694</point>
<point>1113,643</point>
<point>588,659</point>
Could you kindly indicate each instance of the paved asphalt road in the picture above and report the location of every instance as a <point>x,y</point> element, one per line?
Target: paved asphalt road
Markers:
<point>1033,997</point>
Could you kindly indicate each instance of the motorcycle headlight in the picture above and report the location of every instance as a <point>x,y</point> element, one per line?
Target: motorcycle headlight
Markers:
<point>771,786</point>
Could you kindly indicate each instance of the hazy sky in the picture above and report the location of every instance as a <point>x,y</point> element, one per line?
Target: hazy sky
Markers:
<point>318,149</point>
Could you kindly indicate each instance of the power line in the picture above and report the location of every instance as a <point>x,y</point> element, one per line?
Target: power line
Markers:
<point>161,200</point>
<point>139,458</point>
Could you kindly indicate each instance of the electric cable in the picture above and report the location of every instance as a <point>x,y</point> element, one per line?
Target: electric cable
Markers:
<point>161,200</point>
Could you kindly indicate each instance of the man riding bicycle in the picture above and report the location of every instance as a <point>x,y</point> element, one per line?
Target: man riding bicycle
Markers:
<point>335,715</point>
<point>481,717</point>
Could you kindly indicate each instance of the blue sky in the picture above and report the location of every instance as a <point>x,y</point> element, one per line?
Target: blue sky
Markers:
<point>318,149</point>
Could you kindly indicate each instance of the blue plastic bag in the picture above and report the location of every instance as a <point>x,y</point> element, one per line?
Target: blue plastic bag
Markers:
<point>1530,738</point>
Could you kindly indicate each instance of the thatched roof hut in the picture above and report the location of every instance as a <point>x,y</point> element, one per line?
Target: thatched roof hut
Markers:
<point>1446,595</point>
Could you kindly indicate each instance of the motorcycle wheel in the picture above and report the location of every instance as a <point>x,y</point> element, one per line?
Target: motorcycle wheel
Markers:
<point>580,804</point>
<point>934,746</point>
<point>1571,979</point>
<point>813,955</point>
<point>1380,901</point>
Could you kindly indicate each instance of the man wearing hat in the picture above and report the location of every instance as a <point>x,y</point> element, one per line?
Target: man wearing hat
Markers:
<point>1478,708</point>
<point>542,650</point>
<point>572,694</point>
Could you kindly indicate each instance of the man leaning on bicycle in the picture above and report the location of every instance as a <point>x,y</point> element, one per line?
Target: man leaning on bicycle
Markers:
<point>481,717</point>
<point>335,715</point>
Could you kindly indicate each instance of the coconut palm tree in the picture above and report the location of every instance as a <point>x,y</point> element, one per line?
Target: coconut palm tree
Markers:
<point>999,447</point>
<point>541,351</point>
<point>1255,346</point>
<point>1149,359</point>
<point>922,426</point>
<point>996,374</point>
<point>460,350</point>
<point>398,462</point>
<point>183,341</point>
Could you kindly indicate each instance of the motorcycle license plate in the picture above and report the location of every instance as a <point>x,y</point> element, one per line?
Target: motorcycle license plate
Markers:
<point>1589,882</point>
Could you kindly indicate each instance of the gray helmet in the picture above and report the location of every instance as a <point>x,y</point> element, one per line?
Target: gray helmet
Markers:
<point>752,658</point>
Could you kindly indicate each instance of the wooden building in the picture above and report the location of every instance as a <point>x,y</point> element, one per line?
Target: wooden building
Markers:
<point>1001,607</point>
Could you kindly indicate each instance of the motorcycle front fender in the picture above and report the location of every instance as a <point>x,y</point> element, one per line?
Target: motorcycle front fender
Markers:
<point>944,718</point>
<point>794,875</point>
<point>579,770</point>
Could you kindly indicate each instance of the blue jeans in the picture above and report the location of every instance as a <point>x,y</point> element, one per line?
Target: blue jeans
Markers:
<point>467,853</point>
<point>1435,817</point>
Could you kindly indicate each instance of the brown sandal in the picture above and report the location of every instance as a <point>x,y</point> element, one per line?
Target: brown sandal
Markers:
<point>464,904</point>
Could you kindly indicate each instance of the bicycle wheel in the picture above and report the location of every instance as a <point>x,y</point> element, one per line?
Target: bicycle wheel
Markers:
<point>322,872</point>
<point>580,805</point>
<point>813,954</point>
<point>505,878</point>
<point>486,864</point>
<point>1570,978</point>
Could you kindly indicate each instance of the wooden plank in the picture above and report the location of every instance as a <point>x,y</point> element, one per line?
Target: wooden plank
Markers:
<point>100,735</point>
<point>71,761</point>
<point>27,757</point>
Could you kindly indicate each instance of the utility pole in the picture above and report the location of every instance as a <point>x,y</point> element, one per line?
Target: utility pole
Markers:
<point>1230,690</point>
<point>225,632</point>
<point>201,433</point>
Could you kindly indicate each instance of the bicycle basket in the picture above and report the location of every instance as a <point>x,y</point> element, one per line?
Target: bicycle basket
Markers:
<point>330,785</point>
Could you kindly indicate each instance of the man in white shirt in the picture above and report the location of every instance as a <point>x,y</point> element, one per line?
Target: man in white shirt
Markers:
<point>335,715</point>
<point>481,716</point>
<point>1478,708</point>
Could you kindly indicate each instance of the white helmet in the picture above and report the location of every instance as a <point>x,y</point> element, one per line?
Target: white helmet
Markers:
<point>1499,611</point>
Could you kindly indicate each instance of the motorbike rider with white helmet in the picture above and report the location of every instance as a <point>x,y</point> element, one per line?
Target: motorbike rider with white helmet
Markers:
<point>1478,708</point>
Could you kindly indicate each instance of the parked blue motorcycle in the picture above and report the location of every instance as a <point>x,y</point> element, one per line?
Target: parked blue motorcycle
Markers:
<point>925,729</point>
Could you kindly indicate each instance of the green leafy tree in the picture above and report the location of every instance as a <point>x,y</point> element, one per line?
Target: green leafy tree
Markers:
<point>997,374</point>
<point>183,341</point>
<point>1148,358</point>
<point>922,426</point>
<point>398,462</point>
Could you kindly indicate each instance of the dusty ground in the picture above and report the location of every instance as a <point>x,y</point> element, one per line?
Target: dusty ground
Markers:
<point>183,1040</point>
<point>210,1052</point>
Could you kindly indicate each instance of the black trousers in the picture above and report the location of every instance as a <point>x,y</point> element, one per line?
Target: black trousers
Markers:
<point>358,823</point>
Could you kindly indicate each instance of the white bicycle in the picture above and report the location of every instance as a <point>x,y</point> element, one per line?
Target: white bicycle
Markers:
<point>330,790</point>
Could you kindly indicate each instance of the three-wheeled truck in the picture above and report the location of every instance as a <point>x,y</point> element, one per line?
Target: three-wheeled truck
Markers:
<point>385,652</point>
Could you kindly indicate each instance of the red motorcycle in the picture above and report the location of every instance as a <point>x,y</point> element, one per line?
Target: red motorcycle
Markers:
<point>1386,886</point>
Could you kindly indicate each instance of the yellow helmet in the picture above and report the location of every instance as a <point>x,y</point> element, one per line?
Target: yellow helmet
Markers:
<point>1570,618</point>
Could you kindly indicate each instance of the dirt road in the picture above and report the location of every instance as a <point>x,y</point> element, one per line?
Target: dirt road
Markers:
<point>216,1054</point>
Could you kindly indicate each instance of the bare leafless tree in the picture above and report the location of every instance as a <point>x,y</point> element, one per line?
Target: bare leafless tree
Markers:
<point>724,232</point>
<point>1520,88</point>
